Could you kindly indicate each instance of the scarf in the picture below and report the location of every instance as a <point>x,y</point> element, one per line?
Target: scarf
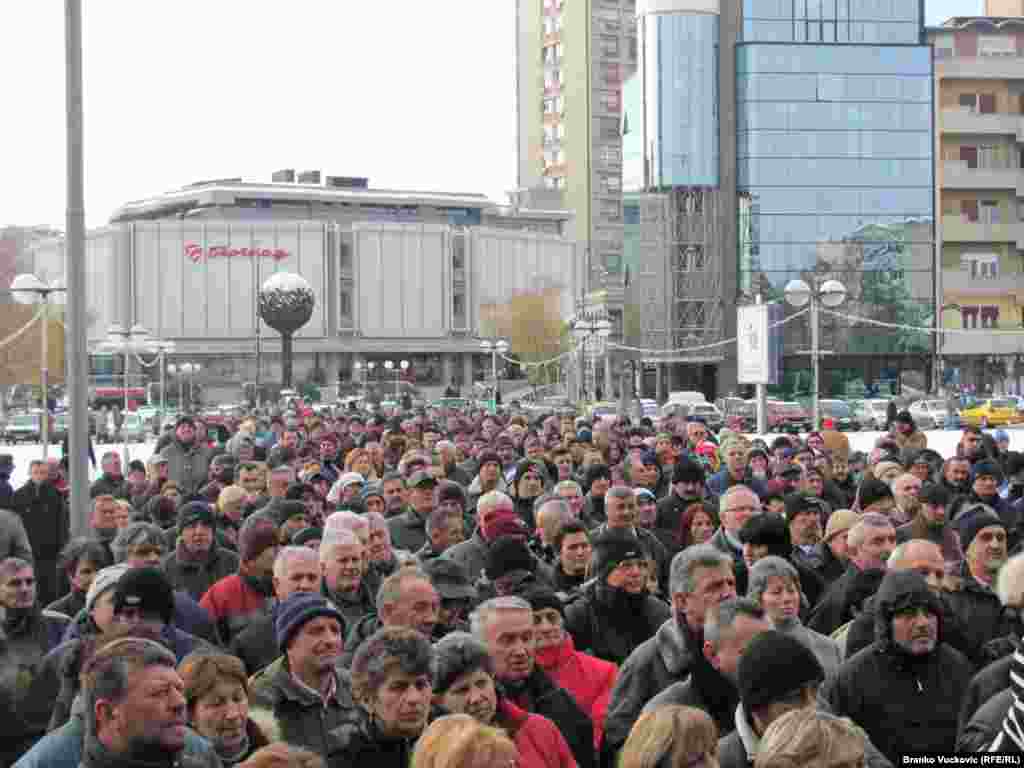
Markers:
<point>262,584</point>
<point>235,757</point>
<point>1011,735</point>
<point>183,555</point>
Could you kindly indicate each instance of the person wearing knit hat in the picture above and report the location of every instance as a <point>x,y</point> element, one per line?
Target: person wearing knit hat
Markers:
<point>905,690</point>
<point>836,530</point>
<point>295,611</point>
<point>308,537</point>
<point>590,680</point>
<point>615,612</point>
<point>197,561</point>
<point>99,600</point>
<point>291,517</point>
<point>235,600</point>
<point>143,595</point>
<point>887,471</point>
<point>875,496</point>
<point>510,564</point>
<point>776,674</point>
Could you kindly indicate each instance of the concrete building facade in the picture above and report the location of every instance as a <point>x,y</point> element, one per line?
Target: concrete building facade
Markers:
<point>979,93</point>
<point>397,275</point>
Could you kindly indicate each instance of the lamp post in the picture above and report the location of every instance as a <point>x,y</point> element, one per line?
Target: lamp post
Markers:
<point>495,347</point>
<point>29,289</point>
<point>591,331</point>
<point>401,368</point>
<point>122,342</point>
<point>181,370</point>
<point>831,293</point>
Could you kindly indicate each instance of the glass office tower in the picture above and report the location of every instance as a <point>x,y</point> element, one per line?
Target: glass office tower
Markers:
<point>835,178</point>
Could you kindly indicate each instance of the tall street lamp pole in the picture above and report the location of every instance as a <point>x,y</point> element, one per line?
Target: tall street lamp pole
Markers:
<point>29,289</point>
<point>591,330</point>
<point>401,368</point>
<point>831,293</point>
<point>495,347</point>
<point>125,343</point>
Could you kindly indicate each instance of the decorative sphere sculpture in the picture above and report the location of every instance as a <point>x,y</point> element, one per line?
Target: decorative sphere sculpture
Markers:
<point>286,303</point>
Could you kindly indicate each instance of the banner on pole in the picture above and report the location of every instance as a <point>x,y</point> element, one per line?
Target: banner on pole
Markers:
<point>758,344</point>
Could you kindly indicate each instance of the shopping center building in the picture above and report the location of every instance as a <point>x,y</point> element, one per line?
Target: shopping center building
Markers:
<point>397,275</point>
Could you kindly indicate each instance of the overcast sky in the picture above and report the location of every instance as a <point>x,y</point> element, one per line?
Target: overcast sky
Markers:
<point>413,95</point>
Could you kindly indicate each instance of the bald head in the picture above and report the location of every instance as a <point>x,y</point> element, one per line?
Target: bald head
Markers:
<point>922,556</point>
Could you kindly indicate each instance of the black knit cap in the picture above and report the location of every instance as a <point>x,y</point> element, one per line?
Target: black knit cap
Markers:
<point>688,471</point>
<point>146,589</point>
<point>508,554</point>
<point>613,547</point>
<point>195,512</point>
<point>448,491</point>
<point>286,509</point>
<point>540,597</point>
<point>871,491</point>
<point>774,665</point>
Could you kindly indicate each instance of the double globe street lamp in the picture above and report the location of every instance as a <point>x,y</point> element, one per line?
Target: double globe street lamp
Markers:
<point>182,370</point>
<point>494,347</point>
<point>831,293</point>
<point>399,369</point>
<point>29,289</point>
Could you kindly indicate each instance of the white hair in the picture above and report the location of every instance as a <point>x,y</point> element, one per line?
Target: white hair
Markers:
<point>481,617</point>
<point>335,539</point>
<point>1010,582</point>
<point>346,520</point>
<point>288,555</point>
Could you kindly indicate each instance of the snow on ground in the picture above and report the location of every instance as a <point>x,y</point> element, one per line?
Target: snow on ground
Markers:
<point>943,441</point>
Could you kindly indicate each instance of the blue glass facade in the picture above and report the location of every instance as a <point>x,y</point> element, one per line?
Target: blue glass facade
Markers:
<point>835,177</point>
<point>881,22</point>
<point>671,104</point>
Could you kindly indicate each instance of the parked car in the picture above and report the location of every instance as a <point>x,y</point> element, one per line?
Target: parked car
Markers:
<point>713,417</point>
<point>929,414</point>
<point>787,416</point>
<point>23,428</point>
<point>995,412</point>
<point>840,413</point>
<point>872,414</point>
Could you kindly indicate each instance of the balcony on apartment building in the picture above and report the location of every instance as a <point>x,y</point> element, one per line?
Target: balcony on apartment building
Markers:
<point>959,228</point>
<point>962,283</point>
<point>958,174</point>
<point>979,67</point>
<point>967,120</point>
<point>981,342</point>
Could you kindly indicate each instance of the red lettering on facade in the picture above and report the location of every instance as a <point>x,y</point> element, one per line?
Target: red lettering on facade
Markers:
<point>195,252</point>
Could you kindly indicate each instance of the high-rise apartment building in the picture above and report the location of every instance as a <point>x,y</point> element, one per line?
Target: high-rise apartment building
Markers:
<point>979,77</point>
<point>770,140</point>
<point>571,58</point>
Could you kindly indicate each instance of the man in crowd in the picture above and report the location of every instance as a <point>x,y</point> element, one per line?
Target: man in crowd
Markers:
<point>197,562</point>
<point>737,505</point>
<point>701,577</point>
<point>409,529</point>
<point>343,562</point>
<point>111,482</point>
<point>506,626</point>
<point>45,519</point>
<point>187,459</point>
<point>930,523</point>
<point>296,569</point>
<point>495,517</point>
<point>303,689</point>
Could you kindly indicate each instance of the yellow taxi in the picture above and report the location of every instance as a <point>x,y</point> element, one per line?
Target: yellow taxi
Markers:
<point>991,413</point>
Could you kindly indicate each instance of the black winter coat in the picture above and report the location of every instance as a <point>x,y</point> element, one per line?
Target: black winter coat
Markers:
<point>977,607</point>
<point>358,744</point>
<point>905,704</point>
<point>42,512</point>
<point>988,683</point>
<point>256,645</point>
<point>197,577</point>
<point>982,729</point>
<point>611,624</point>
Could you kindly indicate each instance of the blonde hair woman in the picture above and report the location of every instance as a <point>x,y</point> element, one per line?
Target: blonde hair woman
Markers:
<point>461,741</point>
<point>672,737</point>
<point>808,737</point>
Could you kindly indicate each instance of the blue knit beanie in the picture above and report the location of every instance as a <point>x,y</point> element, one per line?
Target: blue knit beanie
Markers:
<point>296,610</point>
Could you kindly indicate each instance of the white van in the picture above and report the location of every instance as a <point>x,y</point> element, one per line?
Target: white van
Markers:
<point>686,396</point>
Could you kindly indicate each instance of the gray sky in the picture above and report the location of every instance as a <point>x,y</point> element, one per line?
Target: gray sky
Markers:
<point>413,95</point>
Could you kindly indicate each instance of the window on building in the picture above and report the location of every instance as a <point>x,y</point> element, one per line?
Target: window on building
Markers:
<point>610,45</point>
<point>459,250</point>
<point>611,155</point>
<point>990,213</point>
<point>990,157</point>
<point>981,266</point>
<point>997,45</point>
<point>608,128</point>
<point>611,101</point>
<point>969,209</point>
<point>612,72</point>
<point>459,309</point>
<point>611,210</point>
<point>969,101</point>
<point>345,306</point>
<point>969,155</point>
<point>989,316</point>
<point>987,103</point>
<point>609,184</point>
<point>345,252</point>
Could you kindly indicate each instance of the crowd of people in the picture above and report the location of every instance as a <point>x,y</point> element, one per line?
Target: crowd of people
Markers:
<point>468,589</point>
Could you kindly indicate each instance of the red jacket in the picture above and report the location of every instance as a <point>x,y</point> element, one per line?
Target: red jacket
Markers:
<point>233,604</point>
<point>539,742</point>
<point>589,679</point>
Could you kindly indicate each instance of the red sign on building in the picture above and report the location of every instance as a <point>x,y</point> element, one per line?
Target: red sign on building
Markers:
<point>195,252</point>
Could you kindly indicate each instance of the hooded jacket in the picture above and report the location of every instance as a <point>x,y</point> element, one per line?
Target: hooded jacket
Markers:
<point>987,683</point>
<point>538,695</point>
<point>537,739</point>
<point>978,608</point>
<point>197,576</point>
<point>708,690</point>
<point>906,703</point>
<point>664,659</point>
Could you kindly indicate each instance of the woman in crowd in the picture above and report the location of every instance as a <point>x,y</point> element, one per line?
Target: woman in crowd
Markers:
<point>808,737</point>
<point>464,684</point>
<point>671,737</point>
<point>392,681</point>
<point>217,701</point>
<point>774,584</point>
<point>461,741</point>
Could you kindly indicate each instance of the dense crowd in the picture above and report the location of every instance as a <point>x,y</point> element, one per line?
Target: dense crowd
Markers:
<point>443,588</point>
